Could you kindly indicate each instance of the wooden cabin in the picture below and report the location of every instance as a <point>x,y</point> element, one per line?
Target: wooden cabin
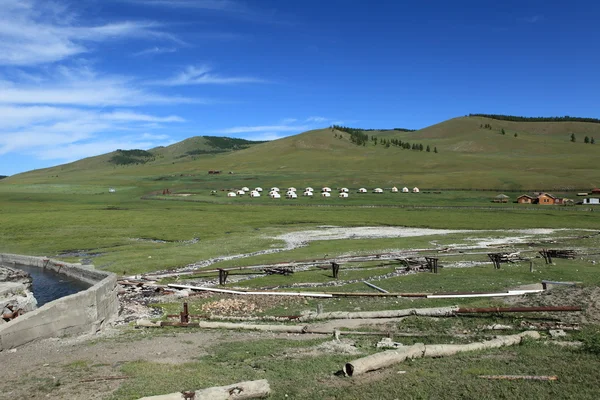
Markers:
<point>525,199</point>
<point>545,199</point>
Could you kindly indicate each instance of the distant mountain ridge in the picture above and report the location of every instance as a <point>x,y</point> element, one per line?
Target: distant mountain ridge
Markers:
<point>515,118</point>
<point>465,152</point>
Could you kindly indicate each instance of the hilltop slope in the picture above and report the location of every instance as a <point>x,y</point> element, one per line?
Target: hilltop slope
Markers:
<point>473,153</point>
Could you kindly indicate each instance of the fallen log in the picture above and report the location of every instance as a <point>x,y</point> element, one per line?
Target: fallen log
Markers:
<point>375,287</point>
<point>225,325</point>
<point>520,377</point>
<point>238,391</point>
<point>426,312</point>
<point>383,359</point>
<point>391,357</point>
<point>464,310</point>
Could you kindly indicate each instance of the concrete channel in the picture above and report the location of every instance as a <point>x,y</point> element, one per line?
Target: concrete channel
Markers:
<point>85,312</point>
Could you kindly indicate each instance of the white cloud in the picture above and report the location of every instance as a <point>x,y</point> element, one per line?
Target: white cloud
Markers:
<point>534,19</point>
<point>214,5</point>
<point>265,136</point>
<point>64,133</point>
<point>263,128</point>
<point>77,151</point>
<point>34,32</point>
<point>153,51</point>
<point>286,127</point>
<point>202,76</point>
<point>131,116</point>
<point>83,87</point>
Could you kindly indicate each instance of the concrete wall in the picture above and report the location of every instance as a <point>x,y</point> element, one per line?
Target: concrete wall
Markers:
<point>85,312</point>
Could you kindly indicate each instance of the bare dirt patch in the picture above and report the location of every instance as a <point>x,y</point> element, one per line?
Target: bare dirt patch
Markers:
<point>53,368</point>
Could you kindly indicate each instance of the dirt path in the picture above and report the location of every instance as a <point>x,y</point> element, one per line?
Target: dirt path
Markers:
<point>53,368</point>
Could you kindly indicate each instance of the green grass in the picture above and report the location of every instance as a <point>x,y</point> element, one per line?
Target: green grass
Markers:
<point>288,371</point>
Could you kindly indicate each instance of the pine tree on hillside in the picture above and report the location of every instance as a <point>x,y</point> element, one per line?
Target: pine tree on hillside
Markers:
<point>503,131</point>
<point>573,137</point>
<point>428,149</point>
<point>586,140</point>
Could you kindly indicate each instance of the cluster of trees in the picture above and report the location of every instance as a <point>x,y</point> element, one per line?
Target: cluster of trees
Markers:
<point>226,143</point>
<point>536,119</point>
<point>358,137</point>
<point>587,139</point>
<point>486,126</point>
<point>128,157</point>
<point>402,145</point>
<point>372,129</point>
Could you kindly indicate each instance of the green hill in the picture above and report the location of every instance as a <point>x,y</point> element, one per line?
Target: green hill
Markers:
<point>473,152</point>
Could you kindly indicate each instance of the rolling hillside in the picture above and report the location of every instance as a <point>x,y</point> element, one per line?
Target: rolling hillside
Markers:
<point>473,153</point>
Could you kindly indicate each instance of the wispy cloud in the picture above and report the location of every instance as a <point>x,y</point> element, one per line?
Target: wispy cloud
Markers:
<point>82,86</point>
<point>534,19</point>
<point>213,5</point>
<point>317,119</point>
<point>49,132</point>
<point>203,75</point>
<point>34,32</point>
<point>263,128</point>
<point>247,10</point>
<point>154,51</point>
<point>285,127</point>
<point>77,151</point>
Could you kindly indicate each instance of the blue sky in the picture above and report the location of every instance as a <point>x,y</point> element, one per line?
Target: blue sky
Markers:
<point>84,77</point>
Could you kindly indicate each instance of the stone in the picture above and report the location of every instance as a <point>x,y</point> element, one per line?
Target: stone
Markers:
<point>557,333</point>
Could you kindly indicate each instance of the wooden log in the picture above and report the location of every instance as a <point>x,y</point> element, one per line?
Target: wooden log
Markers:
<point>391,357</point>
<point>383,359</point>
<point>226,325</point>
<point>520,377</point>
<point>375,287</point>
<point>441,350</point>
<point>428,312</point>
<point>464,310</point>
<point>238,391</point>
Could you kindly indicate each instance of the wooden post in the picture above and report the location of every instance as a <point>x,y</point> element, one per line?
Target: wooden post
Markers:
<point>335,268</point>
<point>546,256</point>
<point>319,308</point>
<point>184,316</point>
<point>223,276</point>
<point>530,266</point>
<point>432,263</point>
<point>495,257</point>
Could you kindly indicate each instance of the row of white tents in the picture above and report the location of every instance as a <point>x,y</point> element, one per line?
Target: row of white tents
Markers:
<point>291,192</point>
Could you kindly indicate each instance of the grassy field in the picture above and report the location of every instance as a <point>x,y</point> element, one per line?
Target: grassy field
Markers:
<point>67,213</point>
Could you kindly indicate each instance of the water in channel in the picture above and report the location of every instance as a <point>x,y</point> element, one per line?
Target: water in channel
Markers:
<point>48,285</point>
